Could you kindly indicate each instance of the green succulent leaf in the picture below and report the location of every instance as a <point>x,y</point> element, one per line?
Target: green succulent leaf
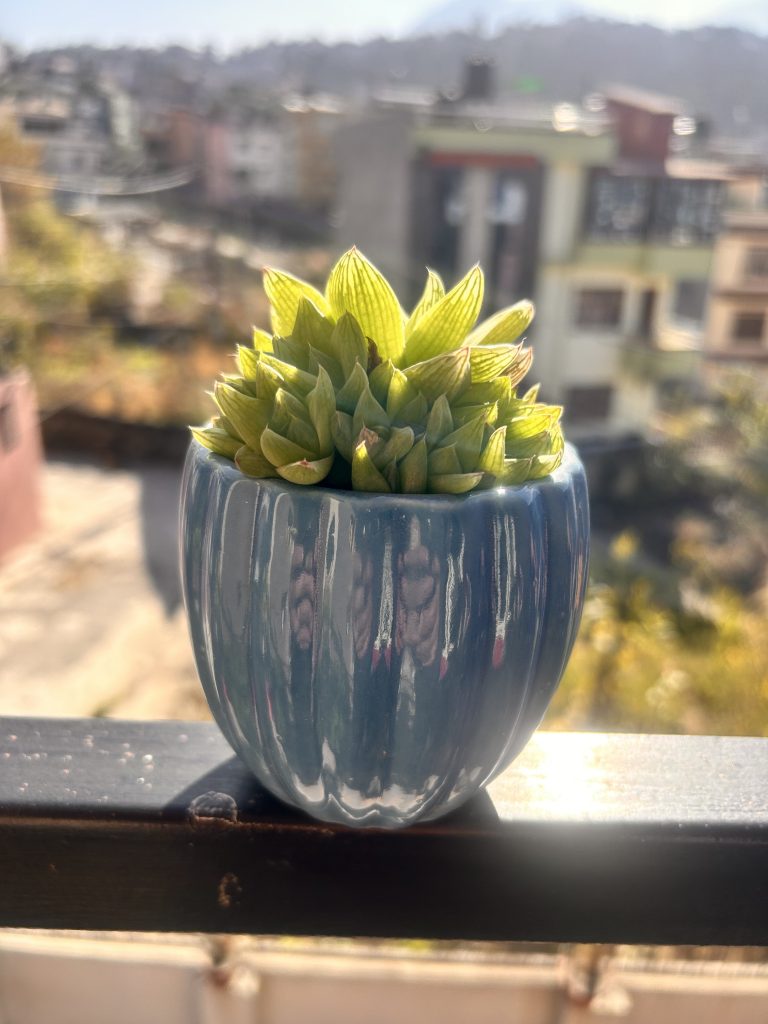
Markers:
<point>306,471</point>
<point>434,291</point>
<point>490,361</point>
<point>288,405</point>
<point>249,416</point>
<point>349,344</point>
<point>539,418</point>
<point>281,451</point>
<point>311,328</point>
<point>447,374</point>
<point>291,351</point>
<point>415,412</point>
<point>321,406</point>
<point>464,413</point>
<point>329,364</point>
<point>379,379</point>
<point>374,442</point>
<point>292,378</point>
<point>349,396</point>
<point>223,423</point>
<point>355,286</point>
<point>444,460</point>
<point>253,463</point>
<point>400,393</point>
<point>547,442</point>
<point>521,367</point>
<point>239,383</point>
<point>343,434</point>
<point>439,421</point>
<point>365,475</point>
<point>515,471</point>
<point>368,413</point>
<point>217,440</point>
<point>446,324</point>
<point>262,341</point>
<point>497,390</point>
<point>468,442</point>
<point>304,435</point>
<point>267,380</point>
<point>285,292</point>
<point>414,468</point>
<point>505,326</point>
<point>454,483</point>
<point>401,440</point>
<point>492,457</point>
<point>544,465</point>
<point>247,361</point>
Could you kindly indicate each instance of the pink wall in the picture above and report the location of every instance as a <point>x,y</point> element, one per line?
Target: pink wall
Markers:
<point>217,171</point>
<point>20,461</point>
<point>643,134</point>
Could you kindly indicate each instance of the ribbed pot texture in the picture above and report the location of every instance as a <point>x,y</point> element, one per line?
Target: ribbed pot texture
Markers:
<point>376,659</point>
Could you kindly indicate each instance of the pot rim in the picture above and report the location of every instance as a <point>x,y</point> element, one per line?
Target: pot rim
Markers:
<point>570,467</point>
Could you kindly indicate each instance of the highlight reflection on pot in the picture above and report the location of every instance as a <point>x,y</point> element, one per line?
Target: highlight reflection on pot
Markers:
<point>362,604</point>
<point>301,597</point>
<point>418,604</point>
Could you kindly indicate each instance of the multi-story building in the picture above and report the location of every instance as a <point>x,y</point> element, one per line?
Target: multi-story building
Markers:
<point>259,157</point>
<point>83,126</point>
<point>583,210</point>
<point>737,323</point>
<point>257,150</point>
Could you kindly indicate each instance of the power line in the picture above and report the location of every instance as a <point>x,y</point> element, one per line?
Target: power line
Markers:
<point>98,185</point>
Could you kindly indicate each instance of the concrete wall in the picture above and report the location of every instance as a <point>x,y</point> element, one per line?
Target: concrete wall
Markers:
<point>563,204</point>
<point>83,980</point>
<point>729,274</point>
<point>260,163</point>
<point>374,209</point>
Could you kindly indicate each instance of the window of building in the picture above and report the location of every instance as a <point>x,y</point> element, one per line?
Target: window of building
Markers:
<point>588,404</point>
<point>599,307</point>
<point>690,300</point>
<point>749,327</point>
<point>618,207</point>
<point>447,216</point>
<point>513,214</point>
<point>686,212</point>
<point>757,263</point>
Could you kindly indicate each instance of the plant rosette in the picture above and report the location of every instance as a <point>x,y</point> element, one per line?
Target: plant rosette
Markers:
<point>384,547</point>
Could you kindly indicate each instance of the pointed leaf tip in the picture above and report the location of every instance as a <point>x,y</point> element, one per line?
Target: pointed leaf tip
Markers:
<point>447,323</point>
<point>284,292</point>
<point>356,286</point>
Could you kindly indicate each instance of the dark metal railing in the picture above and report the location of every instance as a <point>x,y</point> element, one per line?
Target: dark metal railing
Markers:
<point>587,838</point>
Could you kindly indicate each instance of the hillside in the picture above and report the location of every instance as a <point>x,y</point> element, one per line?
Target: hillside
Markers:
<point>721,72</point>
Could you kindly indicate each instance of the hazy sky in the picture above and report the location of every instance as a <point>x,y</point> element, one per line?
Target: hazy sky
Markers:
<point>236,23</point>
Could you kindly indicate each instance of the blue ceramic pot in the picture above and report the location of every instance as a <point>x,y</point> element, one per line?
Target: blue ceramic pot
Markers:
<point>376,659</point>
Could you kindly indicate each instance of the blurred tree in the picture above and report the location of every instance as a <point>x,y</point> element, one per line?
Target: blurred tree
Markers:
<point>682,647</point>
<point>56,271</point>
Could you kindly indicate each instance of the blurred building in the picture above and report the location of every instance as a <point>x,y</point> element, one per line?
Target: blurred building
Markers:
<point>249,150</point>
<point>588,211</point>
<point>84,125</point>
<point>737,322</point>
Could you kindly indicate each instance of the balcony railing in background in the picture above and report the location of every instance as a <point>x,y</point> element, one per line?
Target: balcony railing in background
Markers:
<point>586,838</point>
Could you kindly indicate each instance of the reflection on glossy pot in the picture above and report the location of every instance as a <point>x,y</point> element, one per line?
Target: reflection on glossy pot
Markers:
<point>376,659</point>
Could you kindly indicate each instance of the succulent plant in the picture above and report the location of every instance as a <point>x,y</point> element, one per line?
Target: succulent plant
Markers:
<point>351,390</point>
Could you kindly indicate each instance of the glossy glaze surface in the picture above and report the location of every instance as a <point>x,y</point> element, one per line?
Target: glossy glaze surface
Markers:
<point>376,659</point>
